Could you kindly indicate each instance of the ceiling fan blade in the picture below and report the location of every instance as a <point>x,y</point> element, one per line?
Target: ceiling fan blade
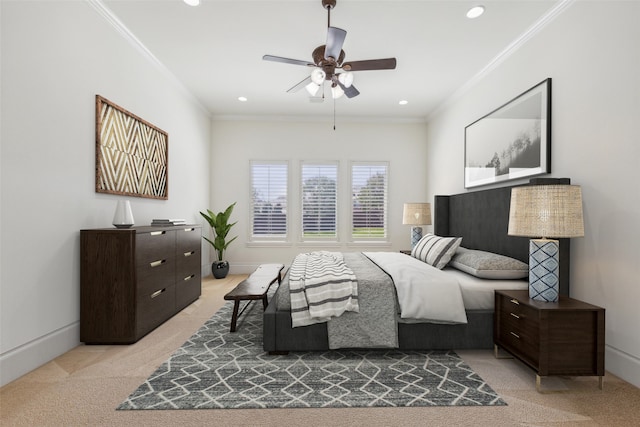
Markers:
<point>300,85</point>
<point>335,40</point>
<point>350,91</point>
<point>288,60</point>
<point>370,64</point>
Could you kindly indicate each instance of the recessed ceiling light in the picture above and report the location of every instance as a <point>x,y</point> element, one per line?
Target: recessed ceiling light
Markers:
<point>192,2</point>
<point>475,11</point>
<point>403,102</point>
<point>242,98</point>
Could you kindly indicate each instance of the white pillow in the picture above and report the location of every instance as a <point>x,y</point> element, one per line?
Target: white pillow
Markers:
<point>436,250</point>
<point>488,265</point>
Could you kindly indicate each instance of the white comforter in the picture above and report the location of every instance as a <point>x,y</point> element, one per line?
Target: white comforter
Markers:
<point>424,292</point>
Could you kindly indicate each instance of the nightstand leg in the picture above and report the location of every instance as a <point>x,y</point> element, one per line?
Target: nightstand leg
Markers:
<point>600,380</point>
<point>538,380</point>
<point>496,353</point>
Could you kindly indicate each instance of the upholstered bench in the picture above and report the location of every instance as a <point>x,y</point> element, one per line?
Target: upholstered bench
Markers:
<point>254,287</point>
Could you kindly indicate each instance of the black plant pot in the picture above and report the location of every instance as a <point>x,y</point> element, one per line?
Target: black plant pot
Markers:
<point>220,269</point>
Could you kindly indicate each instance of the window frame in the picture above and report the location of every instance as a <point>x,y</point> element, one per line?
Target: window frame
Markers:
<point>367,240</point>
<point>319,163</point>
<point>271,238</point>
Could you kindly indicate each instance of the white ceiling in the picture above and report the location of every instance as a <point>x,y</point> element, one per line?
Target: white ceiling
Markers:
<point>215,50</point>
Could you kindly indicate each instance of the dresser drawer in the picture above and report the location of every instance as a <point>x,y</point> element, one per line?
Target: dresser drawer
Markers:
<point>187,263</point>
<point>155,308</point>
<point>188,289</point>
<point>155,246</point>
<point>155,275</point>
<point>188,239</point>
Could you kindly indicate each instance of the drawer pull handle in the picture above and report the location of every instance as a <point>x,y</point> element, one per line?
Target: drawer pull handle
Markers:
<point>157,233</point>
<point>515,335</point>
<point>190,229</point>
<point>156,293</point>
<point>157,263</point>
<point>515,315</point>
<point>189,277</point>
<point>515,301</point>
<point>189,253</point>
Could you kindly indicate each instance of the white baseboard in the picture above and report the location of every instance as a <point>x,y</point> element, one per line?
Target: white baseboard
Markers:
<point>243,268</point>
<point>27,357</point>
<point>234,268</point>
<point>622,365</point>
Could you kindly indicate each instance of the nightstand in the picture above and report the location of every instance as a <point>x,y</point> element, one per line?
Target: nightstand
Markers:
<point>561,338</point>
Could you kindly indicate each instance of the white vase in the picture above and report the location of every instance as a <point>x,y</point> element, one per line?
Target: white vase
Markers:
<point>123,217</point>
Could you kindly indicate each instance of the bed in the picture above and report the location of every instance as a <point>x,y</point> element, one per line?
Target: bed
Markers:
<point>480,218</point>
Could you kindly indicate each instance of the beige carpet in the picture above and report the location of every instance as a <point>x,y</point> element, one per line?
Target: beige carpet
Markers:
<point>84,386</point>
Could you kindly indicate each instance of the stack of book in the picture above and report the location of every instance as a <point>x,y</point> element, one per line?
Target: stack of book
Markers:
<point>167,222</point>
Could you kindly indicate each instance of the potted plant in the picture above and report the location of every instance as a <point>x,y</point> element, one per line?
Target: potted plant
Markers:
<point>220,225</point>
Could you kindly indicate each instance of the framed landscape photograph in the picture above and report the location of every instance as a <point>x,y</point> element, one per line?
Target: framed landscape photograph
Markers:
<point>131,153</point>
<point>511,142</point>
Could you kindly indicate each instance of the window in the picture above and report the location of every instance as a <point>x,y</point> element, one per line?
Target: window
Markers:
<point>269,200</point>
<point>319,201</point>
<point>369,201</point>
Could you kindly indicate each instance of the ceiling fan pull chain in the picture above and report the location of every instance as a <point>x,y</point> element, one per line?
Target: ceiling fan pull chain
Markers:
<point>334,114</point>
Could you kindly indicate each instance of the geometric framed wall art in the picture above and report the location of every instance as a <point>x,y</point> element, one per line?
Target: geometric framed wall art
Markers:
<point>511,142</point>
<point>131,153</point>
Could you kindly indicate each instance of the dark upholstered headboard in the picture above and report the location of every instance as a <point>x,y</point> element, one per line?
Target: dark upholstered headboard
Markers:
<point>481,218</point>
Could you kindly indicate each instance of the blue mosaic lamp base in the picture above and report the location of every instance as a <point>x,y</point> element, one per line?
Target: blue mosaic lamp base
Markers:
<point>544,261</point>
<point>416,235</point>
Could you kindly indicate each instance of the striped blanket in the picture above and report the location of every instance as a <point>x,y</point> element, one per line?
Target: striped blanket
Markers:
<point>321,287</point>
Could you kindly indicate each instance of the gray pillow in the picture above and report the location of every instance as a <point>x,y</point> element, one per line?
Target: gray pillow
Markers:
<point>488,265</point>
<point>436,250</point>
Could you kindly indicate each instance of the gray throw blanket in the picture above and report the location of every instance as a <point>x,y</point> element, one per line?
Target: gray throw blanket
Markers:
<point>375,326</point>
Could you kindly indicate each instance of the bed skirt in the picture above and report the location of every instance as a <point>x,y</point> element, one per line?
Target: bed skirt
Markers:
<point>280,336</point>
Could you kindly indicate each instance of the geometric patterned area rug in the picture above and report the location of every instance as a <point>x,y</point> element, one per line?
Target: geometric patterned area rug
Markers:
<point>217,369</point>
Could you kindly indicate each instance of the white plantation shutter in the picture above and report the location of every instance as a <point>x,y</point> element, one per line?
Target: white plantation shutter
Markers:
<point>269,185</point>
<point>319,200</point>
<point>369,201</point>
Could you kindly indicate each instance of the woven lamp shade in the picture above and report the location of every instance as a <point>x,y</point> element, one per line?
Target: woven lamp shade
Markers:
<point>416,214</point>
<point>546,211</point>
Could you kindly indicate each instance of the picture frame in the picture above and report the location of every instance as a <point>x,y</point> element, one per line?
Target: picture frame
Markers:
<point>131,153</point>
<point>511,142</point>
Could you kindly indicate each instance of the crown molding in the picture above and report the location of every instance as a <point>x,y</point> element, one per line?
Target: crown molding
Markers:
<point>512,48</point>
<point>119,26</point>
<point>317,119</point>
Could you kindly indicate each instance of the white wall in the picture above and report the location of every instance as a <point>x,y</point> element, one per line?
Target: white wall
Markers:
<point>235,143</point>
<point>56,56</point>
<point>591,52</point>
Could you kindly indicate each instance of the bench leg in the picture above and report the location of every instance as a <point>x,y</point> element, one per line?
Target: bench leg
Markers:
<point>265,302</point>
<point>234,316</point>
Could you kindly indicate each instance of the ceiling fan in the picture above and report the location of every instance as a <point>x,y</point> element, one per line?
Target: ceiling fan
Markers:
<point>330,57</point>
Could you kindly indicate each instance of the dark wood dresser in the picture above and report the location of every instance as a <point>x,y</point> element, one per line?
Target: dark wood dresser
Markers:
<point>132,280</point>
<point>561,338</point>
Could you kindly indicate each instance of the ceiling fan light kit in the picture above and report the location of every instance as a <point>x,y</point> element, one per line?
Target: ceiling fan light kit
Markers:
<point>330,57</point>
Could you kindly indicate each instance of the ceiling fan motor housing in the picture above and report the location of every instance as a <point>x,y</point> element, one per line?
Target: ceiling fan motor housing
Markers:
<point>327,65</point>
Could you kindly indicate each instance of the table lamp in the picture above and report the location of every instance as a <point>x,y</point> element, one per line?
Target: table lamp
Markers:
<point>416,214</point>
<point>544,211</point>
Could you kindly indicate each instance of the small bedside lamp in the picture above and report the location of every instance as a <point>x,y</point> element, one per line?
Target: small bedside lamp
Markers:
<point>416,214</point>
<point>545,211</point>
